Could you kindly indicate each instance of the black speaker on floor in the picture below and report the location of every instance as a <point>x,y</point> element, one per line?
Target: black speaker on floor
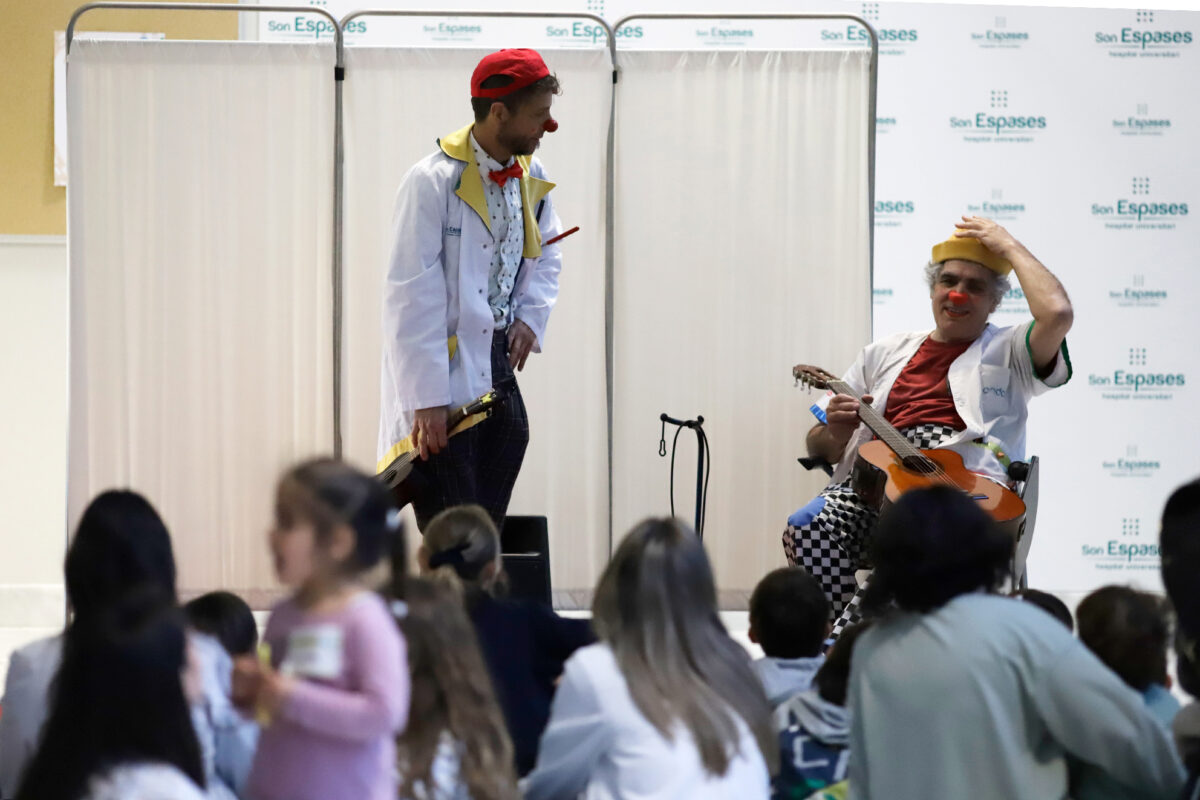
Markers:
<point>525,550</point>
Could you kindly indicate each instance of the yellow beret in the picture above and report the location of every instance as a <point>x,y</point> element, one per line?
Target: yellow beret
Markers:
<point>970,249</point>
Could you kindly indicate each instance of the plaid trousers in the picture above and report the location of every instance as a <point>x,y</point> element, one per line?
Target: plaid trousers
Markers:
<point>835,542</point>
<point>480,465</point>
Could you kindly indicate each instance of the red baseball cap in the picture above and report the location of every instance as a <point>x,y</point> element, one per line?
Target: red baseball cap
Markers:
<point>523,65</point>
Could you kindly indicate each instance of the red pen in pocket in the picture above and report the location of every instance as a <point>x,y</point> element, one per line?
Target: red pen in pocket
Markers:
<point>562,235</point>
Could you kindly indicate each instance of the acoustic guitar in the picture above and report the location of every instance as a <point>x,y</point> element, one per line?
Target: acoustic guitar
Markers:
<point>397,475</point>
<point>887,468</point>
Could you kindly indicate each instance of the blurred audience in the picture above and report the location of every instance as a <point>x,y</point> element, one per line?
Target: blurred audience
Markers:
<point>456,744</point>
<point>524,643</point>
<point>957,692</point>
<point>814,727</point>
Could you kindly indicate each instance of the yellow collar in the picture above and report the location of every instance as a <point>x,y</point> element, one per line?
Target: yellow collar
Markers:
<point>457,145</point>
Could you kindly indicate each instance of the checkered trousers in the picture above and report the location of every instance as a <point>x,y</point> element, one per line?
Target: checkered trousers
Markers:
<point>481,464</point>
<point>834,543</point>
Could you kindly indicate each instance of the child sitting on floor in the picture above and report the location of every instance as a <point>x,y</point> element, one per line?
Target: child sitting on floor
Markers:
<point>789,619</point>
<point>814,727</point>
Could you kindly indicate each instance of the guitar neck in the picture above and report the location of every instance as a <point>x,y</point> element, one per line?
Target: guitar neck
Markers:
<point>455,419</point>
<point>878,425</point>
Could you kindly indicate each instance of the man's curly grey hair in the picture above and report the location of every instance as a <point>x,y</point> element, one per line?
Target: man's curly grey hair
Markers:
<point>1000,283</point>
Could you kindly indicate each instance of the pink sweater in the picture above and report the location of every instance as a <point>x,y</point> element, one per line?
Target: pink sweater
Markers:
<point>334,735</point>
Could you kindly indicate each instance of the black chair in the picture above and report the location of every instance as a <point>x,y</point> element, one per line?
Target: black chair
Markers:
<point>1027,475</point>
<point>525,551</point>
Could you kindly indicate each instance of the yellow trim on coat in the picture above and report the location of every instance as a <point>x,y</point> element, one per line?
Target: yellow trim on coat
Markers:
<point>457,145</point>
<point>405,445</point>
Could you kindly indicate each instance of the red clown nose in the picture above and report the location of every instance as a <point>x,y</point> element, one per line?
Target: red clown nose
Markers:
<point>550,126</point>
<point>958,298</point>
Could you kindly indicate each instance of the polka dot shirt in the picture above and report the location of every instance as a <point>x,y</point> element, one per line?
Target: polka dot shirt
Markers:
<point>508,232</point>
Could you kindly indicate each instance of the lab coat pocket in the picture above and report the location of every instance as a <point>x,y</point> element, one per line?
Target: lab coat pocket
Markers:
<point>995,390</point>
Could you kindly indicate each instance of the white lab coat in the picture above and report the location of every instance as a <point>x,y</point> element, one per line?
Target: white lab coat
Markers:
<point>598,746</point>
<point>437,324</point>
<point>991,382</point>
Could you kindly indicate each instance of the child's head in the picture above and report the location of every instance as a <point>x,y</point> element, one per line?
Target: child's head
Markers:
<point>1048,603</point>
<point>833,677</point>
<point>789,614</point>
<point>463,539</point>
<point>451,693</point>
<point>225,617</point>
<point>1127,630</point>
<point>120,542</point>
<point>330,520</point>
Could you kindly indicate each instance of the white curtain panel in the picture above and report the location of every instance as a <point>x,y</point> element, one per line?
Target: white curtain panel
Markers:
<point>200,230</point>
<point>741,248</point>
<point>398,102</point>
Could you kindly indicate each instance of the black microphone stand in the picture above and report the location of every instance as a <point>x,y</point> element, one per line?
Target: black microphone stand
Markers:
<point>697,425</point>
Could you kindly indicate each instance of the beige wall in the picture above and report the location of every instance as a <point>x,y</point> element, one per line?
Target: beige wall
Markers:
<point>30,203</point>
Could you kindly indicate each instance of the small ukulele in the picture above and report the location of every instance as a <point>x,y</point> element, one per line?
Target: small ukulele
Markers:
<point>887,468</point>
<point>396,475</point>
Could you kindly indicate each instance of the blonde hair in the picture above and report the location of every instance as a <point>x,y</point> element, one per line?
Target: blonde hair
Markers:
<point>656,606</point>
<point>462,540</point>
<point>451,694</point>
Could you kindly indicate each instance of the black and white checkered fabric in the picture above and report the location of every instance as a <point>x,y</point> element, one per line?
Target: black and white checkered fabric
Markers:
<point>834,545</point>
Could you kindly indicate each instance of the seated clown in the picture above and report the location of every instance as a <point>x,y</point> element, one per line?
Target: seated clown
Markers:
<point>965,386</point>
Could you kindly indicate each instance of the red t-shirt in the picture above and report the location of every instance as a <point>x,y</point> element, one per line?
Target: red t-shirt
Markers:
<point>921,393</point>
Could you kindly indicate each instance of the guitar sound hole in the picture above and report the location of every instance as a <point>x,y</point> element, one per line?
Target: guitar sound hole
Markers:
<point>919,464</point>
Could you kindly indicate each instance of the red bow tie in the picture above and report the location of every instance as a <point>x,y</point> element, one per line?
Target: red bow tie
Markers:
<point>501,175</point>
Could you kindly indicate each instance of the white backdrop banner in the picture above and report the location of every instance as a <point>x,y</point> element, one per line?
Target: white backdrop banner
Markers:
<point>397,103</point>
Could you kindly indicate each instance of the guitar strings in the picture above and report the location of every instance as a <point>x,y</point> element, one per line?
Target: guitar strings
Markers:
<point>937,472</point>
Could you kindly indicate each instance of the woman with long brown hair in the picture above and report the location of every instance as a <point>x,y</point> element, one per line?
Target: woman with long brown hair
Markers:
<point>666,705</point>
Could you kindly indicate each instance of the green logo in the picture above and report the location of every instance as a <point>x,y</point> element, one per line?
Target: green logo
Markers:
<point>998,208</point>
<point>1131,465</point>
<point>1137,378</point>
<point>453,31</point>
<point>999,36</point>
<point>1144,38</point>
<point>1138,210</point>
<point>583,32</point>
<point>1136,294</point>
<point>881,295</point>
<point>726,34</point>
<point>1141,123</point>
<point>998,124</point>
<point>893,41</point>
<point>1124,550</point>
<point>892,213</point>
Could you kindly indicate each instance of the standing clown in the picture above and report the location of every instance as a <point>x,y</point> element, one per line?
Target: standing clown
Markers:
<point>469,290</point>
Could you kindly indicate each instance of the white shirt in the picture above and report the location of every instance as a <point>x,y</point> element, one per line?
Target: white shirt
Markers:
<point>143,781</point>
<point>597,745</point>
<point>984,698</point>
<point>508,231</point>
<point>991,383</point>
